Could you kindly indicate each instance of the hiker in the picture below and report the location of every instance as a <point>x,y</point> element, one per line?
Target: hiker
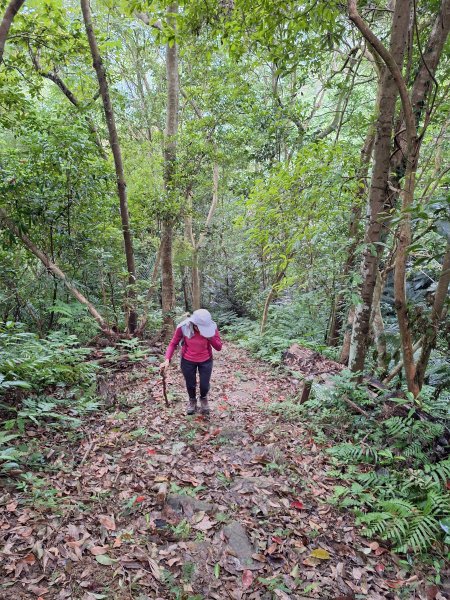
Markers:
<point>198,334</point>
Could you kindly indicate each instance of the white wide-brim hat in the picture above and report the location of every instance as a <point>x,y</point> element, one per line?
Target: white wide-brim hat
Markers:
<point>202,318</point>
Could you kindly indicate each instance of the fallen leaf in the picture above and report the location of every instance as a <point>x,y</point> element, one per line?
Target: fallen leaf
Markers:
<point>204,524</point>
<point>105,560</point>
<point>379,568</point>
<point>321,554</point>
<point>154,568</point>
<point>395,583</point>
<point>247,578</point>
<point>30,559</point>
<point>139,499</point>
<point>97,550</point>
<point>38,590</point>
<point>107,522</point>
<point>298,504</point>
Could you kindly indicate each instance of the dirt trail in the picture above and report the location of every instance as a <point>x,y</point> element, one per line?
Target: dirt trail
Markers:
<point>245,515</point>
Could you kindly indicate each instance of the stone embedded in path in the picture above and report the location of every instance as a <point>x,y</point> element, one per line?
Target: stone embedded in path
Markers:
<point>188,505</point>
<point>239,544</point>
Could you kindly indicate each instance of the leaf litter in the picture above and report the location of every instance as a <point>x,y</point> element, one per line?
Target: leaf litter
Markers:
<point>146,503</point>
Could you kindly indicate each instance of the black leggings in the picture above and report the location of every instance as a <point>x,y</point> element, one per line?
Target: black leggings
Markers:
<point>189,370</point>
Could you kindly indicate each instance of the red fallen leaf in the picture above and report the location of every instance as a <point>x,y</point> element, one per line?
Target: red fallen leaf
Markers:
<point>395,583</point>
<point>151,451</point>
<point>247,578</point>
<point>277,539</point>
<point>432,592</point>
<point>379,568</point>
<point>297,504</point>
<point>222,407</point>
<point>379,551</point>
<point>216,431</point>
<point>139,499</point>
<point>29,559</point>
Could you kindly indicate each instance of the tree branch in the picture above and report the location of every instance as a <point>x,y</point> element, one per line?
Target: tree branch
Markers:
<point>12,9</point>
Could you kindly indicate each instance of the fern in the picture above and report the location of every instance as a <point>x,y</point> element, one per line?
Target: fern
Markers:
<point>349,452</point>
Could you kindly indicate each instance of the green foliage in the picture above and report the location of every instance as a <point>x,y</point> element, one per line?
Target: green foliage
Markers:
<point>54,361</point>
<point>42,382</point>
<point>302,321</point>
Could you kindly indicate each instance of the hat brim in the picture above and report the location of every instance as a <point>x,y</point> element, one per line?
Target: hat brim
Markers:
<point>206,331</point>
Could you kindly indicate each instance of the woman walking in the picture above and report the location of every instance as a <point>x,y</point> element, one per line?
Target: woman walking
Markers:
<point>198,335</point>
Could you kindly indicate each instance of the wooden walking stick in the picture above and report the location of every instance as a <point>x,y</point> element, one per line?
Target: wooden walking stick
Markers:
<point>164,383</point>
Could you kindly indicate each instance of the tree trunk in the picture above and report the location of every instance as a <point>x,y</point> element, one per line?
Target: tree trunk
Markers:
<point>345,350</point>
<point>11,10</point>
<point>117,154</point>
<point>421,88</point>
<point>196,288</point>
<point>429,339</point>
<point>400,300</point>
<point>55,270</point>
<point>377,325</point>
<point>353,233</point>
<point>412,111</point>
<point>379,181</point>
<point>270,297</point>
<point>170,153</point>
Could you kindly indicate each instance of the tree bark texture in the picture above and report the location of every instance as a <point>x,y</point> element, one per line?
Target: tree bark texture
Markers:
<point>379,182</point>
<point>170,154</point>
<point>11,10</point>
<point>377,325</point>
<point>117,154</point>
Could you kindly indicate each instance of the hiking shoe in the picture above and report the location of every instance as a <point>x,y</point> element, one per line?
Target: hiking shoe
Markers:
<point>204,407</point>
<point>192,406</point>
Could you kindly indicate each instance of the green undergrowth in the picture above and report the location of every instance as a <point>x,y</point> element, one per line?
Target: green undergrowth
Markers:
<point>301,322</point>
<point>392,467</point>
<point>45,383</point>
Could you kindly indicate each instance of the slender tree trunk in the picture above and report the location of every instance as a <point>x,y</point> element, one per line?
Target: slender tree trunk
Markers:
<point>377,325</point>
<point>170,153</point>
<point>353,233</point>
<point>117,154</point>
<point>196,288</point>
<point>380,175</point>
<point>345,350</point>
<point>400,300</point>
<point>11,10</point>
<point>430,336</point>
<point>270,297</point>
<point>54,269</point>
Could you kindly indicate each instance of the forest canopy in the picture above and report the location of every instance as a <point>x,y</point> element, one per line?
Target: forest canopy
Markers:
<point>283,164</point>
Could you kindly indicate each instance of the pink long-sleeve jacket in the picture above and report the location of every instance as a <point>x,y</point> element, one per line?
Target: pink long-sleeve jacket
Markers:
<point>196,348</point>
